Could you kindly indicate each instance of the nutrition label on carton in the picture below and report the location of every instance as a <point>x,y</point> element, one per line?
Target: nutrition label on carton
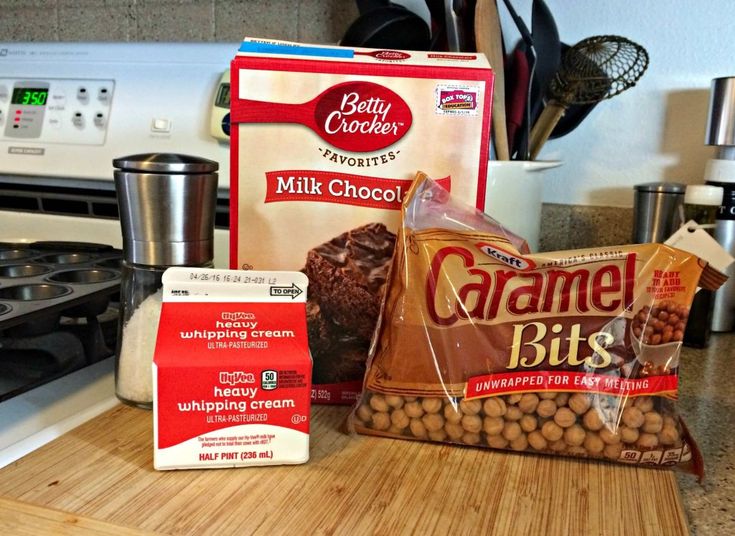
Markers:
<point>232,371</point>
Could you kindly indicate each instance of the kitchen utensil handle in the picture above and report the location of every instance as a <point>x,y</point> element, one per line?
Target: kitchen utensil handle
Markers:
<point>544,126</point>
<point>489,41</point>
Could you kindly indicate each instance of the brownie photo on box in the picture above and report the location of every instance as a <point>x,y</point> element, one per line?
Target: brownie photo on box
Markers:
<point>346,283</point>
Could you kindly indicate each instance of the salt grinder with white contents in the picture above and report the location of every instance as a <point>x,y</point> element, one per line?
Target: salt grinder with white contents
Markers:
<point>167,207</point>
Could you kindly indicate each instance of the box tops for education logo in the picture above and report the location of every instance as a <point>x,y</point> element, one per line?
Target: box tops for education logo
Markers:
<point>457,100</point>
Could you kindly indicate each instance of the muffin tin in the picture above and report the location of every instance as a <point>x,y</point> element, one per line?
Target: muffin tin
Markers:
<point>42,281</point>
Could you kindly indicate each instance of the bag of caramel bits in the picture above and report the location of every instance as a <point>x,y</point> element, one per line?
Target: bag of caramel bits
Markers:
<point>572,353</point>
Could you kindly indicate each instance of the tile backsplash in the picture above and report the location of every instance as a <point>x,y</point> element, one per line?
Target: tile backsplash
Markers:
<point>577,226</point>
<point>323,21</point>
<point>316,21</point>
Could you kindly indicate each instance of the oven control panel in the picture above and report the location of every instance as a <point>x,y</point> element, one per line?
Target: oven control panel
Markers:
<point>69,111</point>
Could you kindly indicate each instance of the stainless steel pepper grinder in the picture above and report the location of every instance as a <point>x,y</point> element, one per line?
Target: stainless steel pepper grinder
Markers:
<point>720,171</point>
<point>656,211</point>
<point>167,207</point>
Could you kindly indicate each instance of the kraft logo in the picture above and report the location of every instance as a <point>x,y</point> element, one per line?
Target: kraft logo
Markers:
<point>234,378</point>
<point>238,315</point>
<point>506,257</point>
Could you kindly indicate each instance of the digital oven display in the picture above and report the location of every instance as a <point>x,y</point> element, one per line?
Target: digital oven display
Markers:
<point>29,96</point>
<point>223,96</point>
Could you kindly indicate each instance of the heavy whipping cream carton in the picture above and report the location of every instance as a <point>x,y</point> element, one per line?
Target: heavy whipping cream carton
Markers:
<point>232,371</point>
<point>325,142</point>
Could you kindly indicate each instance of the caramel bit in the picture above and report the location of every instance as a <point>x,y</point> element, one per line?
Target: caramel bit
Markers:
<point>583,425</point>
<point>649,369</point>
<point>661,324</point>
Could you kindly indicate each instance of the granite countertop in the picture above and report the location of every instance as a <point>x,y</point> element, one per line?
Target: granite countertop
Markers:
<point>707,403</point>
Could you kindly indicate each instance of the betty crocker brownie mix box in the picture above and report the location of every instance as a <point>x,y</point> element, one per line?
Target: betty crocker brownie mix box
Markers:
<point>324,145</point>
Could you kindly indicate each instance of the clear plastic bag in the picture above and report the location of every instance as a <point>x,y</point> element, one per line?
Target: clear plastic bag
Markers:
<point>572,353</point>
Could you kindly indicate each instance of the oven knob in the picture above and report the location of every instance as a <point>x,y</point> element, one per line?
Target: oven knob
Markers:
<point>103,95</point>
<point>83,94</point>
<point>78,119</point>
<point>99,119</point>
<point>226,124</point>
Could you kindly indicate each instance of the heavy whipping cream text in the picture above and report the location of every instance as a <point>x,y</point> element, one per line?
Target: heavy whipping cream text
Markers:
<point>239,399</point>
<point>241,330</point>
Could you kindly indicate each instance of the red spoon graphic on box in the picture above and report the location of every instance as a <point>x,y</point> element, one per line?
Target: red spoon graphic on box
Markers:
<point>387,55</point>
<point>352,116</point>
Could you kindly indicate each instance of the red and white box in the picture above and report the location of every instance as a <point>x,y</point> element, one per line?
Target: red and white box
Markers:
<point>326,140</point>
<point>232,371</point>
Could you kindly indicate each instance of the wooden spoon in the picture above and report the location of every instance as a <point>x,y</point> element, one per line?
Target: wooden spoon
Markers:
<point>489,41</point>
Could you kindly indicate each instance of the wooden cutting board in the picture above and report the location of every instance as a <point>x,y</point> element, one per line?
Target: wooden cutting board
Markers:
<point>23,519</point>
<point>103,472</point>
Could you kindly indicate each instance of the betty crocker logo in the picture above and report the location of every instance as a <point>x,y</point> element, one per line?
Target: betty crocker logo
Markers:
<point>386,55</point>
<point>362,116</point>
<point>352,116</point>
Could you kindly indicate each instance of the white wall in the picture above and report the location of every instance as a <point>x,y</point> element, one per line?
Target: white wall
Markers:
<point>654,131</point>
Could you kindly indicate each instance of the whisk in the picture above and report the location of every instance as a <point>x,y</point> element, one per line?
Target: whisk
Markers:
<point>595,69</point>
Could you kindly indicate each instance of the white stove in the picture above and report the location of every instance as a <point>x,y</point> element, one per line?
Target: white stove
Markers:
<point>66,110</point>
